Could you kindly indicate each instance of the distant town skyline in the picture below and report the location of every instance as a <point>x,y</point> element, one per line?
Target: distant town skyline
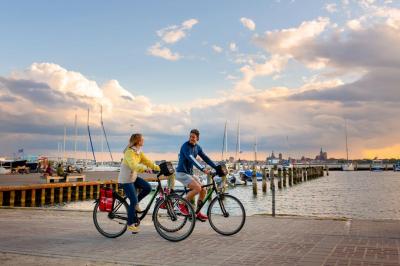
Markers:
<point>290,71</point>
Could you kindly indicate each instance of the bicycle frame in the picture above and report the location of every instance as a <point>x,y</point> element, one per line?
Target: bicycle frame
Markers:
<point>113,213</point>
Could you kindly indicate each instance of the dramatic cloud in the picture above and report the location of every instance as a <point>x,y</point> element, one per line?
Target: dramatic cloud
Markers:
<point>248,23</point>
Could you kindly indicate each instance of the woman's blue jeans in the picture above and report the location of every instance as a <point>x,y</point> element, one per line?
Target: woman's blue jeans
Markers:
<point>130,192</point>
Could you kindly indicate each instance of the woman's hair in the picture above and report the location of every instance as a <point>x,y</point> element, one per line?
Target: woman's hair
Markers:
<point>134,140</point>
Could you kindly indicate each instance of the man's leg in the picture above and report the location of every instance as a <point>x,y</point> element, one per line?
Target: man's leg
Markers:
<point>195,189</point>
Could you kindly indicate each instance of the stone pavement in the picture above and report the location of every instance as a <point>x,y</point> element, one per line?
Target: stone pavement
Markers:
<point>49,237</point>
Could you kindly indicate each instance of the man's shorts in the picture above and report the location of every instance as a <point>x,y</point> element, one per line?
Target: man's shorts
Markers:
<point>186,179</point>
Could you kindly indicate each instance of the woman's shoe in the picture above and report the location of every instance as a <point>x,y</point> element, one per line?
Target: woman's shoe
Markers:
<point>134,228</point>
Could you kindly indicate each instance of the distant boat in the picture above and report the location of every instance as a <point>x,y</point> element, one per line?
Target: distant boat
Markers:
<point>348,166</point>
<point>396,167</point>
<point>12,163</point>
<point>249,175</point>
<point>377,165</point>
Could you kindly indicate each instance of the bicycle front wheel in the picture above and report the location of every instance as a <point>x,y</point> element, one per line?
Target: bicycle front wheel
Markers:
<point>111,224</point>
<point>226,214</point>
<point>169,220</point>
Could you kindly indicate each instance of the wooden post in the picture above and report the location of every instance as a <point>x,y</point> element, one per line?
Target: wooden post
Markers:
<point>61,195</point>
<point>1,198</point>
<point>327,170</point>
<point>91,192</point>
<point>279,178</point>
<point>284,177</point>
<point>294,176</point>
<point>23,198</point>
<point>43,197</point>
<point>264,181</point>
<point>52,196</point>
<point>69,194</point>
<point>98,192</point>
<point>271,172</point>
<point>271,177</point>
<point>12,198</point>
<point>84,191</point>
<point>290,176</point>
<point>33,198</point>
<point>254,180</point>
<point>76,193</point>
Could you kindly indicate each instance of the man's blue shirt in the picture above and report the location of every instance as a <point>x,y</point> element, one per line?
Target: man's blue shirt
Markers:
<point>187,158</point>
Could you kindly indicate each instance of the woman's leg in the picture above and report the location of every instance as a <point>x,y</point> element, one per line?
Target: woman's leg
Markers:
<point>144,186</point>
<point>130,192</point>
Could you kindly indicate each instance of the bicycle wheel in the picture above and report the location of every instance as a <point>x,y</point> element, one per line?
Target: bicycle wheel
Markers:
<point>226,215</point>
<point>111,224</point>
<point>169,221</point>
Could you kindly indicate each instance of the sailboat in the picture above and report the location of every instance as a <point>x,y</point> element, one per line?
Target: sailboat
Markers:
<point>348,166</point>
<point>104,167</point>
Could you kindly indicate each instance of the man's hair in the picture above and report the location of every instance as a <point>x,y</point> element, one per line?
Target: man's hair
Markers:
<point>196,132</point>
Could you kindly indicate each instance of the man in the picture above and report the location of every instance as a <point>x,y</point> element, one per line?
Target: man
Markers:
<point>184,171</point>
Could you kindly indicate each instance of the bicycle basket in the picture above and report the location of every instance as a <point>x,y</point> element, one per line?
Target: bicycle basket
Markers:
<point>221,170</point>
<point>106,201</point>
<point>166,168</point>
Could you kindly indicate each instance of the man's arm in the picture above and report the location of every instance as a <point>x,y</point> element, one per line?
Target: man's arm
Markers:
<point>206,159</point>
<point>186,152</point>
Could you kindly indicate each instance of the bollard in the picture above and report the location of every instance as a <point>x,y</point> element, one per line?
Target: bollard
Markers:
<point>264,180</point>
<point>279,178</point>
<point>254,181</point>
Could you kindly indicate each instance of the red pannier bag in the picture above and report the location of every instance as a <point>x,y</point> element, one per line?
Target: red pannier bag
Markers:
<point>106,199</point>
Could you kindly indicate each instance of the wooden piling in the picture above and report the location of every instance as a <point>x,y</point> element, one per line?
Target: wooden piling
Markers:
<point>52,196</point>
<point>68,194</point>
<point>264,180</point>
<point>23,198</point>
<point>76,193</point>
<point>271,178</point>
<point>60,195</point>
<point>33,198</point>
<point>254,181</point>
<point>284,173</point>
<point>279,178</point>
<point>12,198</point>
<point>1,198</point>
<point>43,197</point>
<point>290,176</point>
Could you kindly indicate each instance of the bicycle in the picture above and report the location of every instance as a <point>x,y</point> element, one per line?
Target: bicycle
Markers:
<point>225,212</point>
<point>167,218</point>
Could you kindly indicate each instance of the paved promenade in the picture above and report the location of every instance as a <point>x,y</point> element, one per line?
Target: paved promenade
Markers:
<point>39,237</point>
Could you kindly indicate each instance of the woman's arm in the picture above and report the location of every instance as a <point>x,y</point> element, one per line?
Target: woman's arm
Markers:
<point>128,157</point>
<point>150,164</point>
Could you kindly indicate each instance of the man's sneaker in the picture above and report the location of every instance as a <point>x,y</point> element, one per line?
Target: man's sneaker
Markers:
<point>134,228</point>
<point>183,209</point>
<point>201,217</point>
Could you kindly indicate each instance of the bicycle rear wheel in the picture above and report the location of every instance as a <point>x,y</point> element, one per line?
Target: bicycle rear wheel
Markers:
<point>111,224</point>
<point>169,221</point>
<point>226,214</point>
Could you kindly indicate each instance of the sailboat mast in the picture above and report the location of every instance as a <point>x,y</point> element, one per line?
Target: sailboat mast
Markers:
<point>105,136</point>
<point>347,149</point>
<point>65,136</point>
<point>237,141</point>
<point>255,150</point>
<point>90,137</point>
<point>224,143</point>
<point>76,134</point>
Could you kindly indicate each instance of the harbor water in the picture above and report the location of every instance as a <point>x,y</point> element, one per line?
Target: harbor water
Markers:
<point>358,195</point>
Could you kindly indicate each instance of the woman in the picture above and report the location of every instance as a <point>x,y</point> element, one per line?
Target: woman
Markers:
<point>135,162</point>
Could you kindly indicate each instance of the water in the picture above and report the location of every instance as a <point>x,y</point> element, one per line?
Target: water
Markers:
<point>360,195</point>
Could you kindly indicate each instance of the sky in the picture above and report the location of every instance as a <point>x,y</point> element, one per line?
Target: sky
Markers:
<point>289,72</point>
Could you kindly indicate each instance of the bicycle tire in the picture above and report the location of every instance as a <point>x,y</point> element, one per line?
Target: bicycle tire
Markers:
<point>105,221</point>
<point>233,209</point>
<point>171,233</point>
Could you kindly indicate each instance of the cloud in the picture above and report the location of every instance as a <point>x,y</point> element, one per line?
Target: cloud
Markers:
<point>175,33</point>
<point>233,47</point>
<point>163,52</point>
<point>217,49</point>
<point>331,8</point>
<point>248,23</point>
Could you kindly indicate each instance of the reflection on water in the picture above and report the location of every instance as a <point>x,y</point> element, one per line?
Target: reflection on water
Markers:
<point>362,195</point>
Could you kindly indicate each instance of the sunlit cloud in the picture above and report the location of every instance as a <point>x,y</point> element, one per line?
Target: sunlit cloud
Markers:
<point>248,23</point>
<point>163,52</point>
